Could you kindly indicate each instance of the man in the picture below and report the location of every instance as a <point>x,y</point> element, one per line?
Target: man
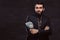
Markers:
<point>41,24</point>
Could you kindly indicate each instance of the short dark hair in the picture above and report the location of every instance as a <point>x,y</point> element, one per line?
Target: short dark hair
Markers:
<point>43,2</point>
<point>39,3</point>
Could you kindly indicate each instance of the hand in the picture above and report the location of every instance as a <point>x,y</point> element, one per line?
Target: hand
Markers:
<point>46,28</point>
<point>34,31</point>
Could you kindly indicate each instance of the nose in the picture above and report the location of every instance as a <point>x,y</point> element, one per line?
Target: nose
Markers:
<point>38,9</point>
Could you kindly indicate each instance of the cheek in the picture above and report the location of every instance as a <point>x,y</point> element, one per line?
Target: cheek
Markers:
<point>36,9</point>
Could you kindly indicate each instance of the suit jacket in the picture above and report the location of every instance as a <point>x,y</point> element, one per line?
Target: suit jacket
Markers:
<point>34,18</point>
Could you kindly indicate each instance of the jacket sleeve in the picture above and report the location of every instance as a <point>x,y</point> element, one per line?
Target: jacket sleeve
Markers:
<point>47,32</point>
<point>27,20</point>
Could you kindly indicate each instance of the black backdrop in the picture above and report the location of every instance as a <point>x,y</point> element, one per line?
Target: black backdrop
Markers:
<point>14,12</point>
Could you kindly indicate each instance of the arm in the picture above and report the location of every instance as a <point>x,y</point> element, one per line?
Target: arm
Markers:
<point>47,29</point>
<point>30,30</point>
<point>27,19</point>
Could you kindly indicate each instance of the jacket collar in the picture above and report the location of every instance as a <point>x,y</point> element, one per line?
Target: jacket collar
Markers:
<point>37,15</point>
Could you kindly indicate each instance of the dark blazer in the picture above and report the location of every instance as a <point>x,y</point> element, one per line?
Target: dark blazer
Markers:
<point>43,35</point>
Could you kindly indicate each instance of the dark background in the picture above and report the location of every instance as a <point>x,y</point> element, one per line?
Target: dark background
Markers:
<point>14,12</point>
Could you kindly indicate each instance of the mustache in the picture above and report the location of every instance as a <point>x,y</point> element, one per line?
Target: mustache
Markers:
<point>38,11</point>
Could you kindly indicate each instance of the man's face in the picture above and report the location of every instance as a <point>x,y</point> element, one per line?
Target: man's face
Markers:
<point>39,8</point>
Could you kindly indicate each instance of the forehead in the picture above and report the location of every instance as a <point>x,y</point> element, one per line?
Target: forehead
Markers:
<point>38,5</point>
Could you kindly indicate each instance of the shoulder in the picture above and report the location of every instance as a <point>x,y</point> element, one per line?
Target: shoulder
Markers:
<point>30,16</point>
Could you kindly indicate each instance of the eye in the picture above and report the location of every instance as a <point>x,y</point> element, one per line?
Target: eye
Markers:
<point>40,7</point>
<point>36,7</point>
